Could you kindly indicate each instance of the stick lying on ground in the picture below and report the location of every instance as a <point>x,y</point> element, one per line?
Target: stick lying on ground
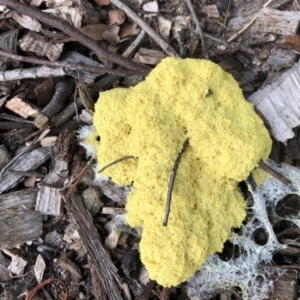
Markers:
<point>55,22</point>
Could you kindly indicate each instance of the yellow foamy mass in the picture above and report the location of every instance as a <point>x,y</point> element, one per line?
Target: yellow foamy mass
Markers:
<point>180,99</point>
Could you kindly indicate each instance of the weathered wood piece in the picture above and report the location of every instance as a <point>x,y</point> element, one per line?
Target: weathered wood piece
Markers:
<point>8,42</point>
<point>76,58</point>
<point>49,198</point>
<point>281,58</point>
<point>149,56</point>
<point>38,44</point>
<point>49,201</point>
<point>27,162</point>
<point>279,103</point>
<point>22,107</point>
<point>277,21</point>
<point>105,271</point>
<point>17,264</point>
<point>113,191</point>
<point>19,223</point>
<point>27,22</point>
<point>39,268</point>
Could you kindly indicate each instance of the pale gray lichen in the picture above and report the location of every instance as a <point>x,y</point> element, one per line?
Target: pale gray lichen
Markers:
<point>247,271</point>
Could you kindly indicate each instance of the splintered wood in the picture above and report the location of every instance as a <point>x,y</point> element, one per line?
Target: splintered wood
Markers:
<point>279,103</point>
<point>49,201</point>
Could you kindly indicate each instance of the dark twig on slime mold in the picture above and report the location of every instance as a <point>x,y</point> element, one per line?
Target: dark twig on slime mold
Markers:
<point>274,173</point>
<point>171,183</point>
<point>115,162</point>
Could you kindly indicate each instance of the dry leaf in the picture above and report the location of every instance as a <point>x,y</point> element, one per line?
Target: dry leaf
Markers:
<point>129,29</point>
<point>111,35</point>
<point>116,16</point>
<point>94,31</point>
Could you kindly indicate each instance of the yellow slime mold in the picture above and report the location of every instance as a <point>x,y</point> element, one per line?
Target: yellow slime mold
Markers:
<point>181,99</point>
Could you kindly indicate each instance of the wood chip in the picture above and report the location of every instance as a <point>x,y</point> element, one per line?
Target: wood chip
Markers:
<point>164,27</point>
<point>17,264</point>
<point>27,22</point>
<point>48,201</point>
<point>39,268</point>
<point>27,162</point>
<point>149,56</point>
<point>38,44</point>
<point>48,141</point>
<point>71,268</point>
<point>151,8</point>
<point>22,107</point>
<point>19,223</point>
<point>211,11</point>
<point>280,105</point>
<point>277,21</point>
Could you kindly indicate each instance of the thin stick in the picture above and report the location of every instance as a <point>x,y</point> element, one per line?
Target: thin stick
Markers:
<point>149,30</point>
<point>226,17</point>
<point>274,173</point>
<point>247,25</point>
<point>115,162</point>
<point>198,27</point>
<point>171,183</point>
<point>72,66</point>
<point>71,31</point>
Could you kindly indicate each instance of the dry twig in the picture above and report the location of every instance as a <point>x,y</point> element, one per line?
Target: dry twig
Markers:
<point>171,183</point>
<point>151,32</point>
<point>71,31</point>
<point>115,162</point>
<point>71,66</point>
<point>198,27</point>
<point>274,173</point>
